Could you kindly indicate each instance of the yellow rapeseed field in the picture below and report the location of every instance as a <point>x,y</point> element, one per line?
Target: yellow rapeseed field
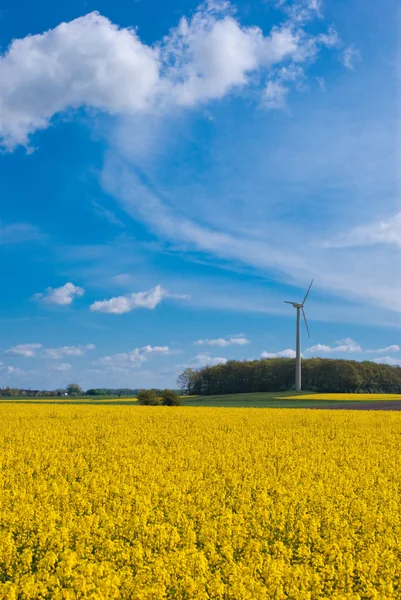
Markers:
<point>153,503</point>
<point>346,397</point>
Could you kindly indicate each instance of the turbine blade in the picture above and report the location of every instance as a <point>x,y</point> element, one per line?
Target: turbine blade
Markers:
<point>306,322</point>
<point>307,293</point>
<point>287,302</point>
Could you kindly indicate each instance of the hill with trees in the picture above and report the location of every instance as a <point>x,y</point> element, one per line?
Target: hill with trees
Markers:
<point>277,374</point>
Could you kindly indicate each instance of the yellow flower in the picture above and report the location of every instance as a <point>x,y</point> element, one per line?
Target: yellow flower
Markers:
<point>110,502</point>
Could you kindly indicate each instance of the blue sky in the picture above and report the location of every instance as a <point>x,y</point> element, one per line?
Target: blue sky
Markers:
<point>171,172</point>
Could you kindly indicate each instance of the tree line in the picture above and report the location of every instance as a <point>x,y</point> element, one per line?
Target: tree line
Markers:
<point>278,374</point>
<point>73,389</point>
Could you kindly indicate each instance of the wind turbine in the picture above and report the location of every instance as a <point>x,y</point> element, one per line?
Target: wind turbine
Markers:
<point>299,307</point>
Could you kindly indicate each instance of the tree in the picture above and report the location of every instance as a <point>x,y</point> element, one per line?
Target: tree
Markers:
<point>170,398</point>
<point>10,392</point>
<point>147,398</point>
<point>277,374</point>
<point>186,381</point>
<point>73,389</point>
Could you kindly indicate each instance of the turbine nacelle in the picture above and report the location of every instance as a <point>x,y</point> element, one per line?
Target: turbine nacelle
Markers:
<point>300,306</point>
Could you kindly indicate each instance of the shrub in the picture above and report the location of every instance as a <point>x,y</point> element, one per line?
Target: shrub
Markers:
<point>147,398</point>
<point>170,398</point>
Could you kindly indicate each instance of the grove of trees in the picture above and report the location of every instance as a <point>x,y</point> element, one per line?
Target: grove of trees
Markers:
<point>112,392</point>
<point>277,374</point>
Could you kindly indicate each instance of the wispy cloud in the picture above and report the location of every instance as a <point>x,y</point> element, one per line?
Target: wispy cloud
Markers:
<point>127,360</point>
<point>26,350</point>
<point>9,370</point>
<point>62,367</point>
<point>223,342</point>
<point>106,213</point>
<point>386,231</point>
<point>346,345</point>
<point>392,348</point>
<point>350,57</point>
<point>18,233</point>
<point>59,353</point>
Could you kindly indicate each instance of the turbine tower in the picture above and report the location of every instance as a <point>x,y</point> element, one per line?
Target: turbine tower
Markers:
<point>299,307</point>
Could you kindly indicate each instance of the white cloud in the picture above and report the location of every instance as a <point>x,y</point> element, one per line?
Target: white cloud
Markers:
<point>26,350</point>
<point>387,231</point>
<point>58,353</point>
<point>350,56</point>
<point>318,348</point>
<point>9,370</point>
<point>128,360</point>
<point>107,214</point>
<point>91,62</point>
<point>346,276</point>
<point>288,353</point>
<point>17,233</point>
<point>392,348</point>
<point>203,360</point>
<point>388,360</point>
<point>123,304</point>
<point>62,296</point>
<point>222,342</point>
<point>346,345</point>
<point>62,367</point>
<point>275,95</point>
<point>122,279</point>
<point>209,57</point>
<point>87,62</point>
<point>331,39</point>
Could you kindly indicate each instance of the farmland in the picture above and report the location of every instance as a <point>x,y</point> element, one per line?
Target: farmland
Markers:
<point>153,502</point>
<point>255,400</point>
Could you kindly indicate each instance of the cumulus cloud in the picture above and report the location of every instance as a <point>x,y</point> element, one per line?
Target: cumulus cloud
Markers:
<point>223,342</point>
<point>26,350</point>
<point>63,296</point>
<point>388,360</point>
<point>288,353</point>
<point>203,360</point>
<point>392,348</point>
<point>91,62</point>
<point>87,62</point>
<point>127,360</point>
<point>58,353</point>
<point>128,302</point>
<point>346,345</point>
<point>319,348</point>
